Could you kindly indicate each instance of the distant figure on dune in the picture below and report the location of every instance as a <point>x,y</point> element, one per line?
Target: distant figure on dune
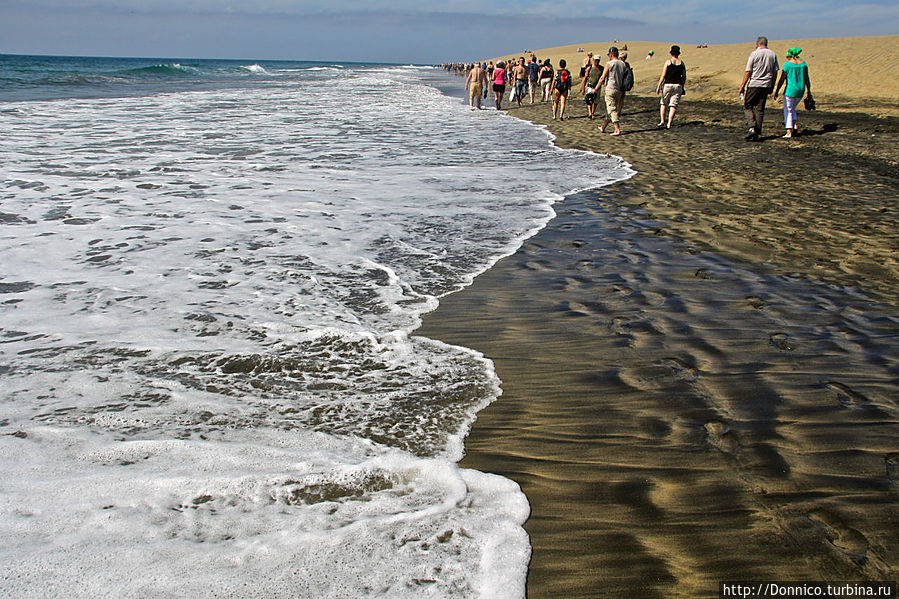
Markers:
<point>671,86</point>
<point>761,71</point>
<point>476,83</point>
<point>795,75</point>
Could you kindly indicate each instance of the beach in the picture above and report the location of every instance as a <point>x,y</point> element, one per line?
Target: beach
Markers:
<point>699,363</point>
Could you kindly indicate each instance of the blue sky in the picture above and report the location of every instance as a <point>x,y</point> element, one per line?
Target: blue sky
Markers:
<point>409,31</point>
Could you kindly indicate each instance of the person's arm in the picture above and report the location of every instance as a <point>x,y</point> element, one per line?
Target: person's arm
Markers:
<point>780,83</point>
<point>584,82</point>
<point>662,78</point>
<point>605,75</point>
<point>468,80</point>
<point>746,76</point>
<point>808,84</point>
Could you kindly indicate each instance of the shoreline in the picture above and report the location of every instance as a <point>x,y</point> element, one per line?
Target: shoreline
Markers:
<point>680,406</point>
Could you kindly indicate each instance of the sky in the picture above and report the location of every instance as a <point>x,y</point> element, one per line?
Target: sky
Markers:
<point>410,31</point>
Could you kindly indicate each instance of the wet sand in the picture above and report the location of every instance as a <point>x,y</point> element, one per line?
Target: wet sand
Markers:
<point>700,365</point>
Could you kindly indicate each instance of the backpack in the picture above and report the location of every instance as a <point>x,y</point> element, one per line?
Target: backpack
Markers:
<point>563,80</point>
<point>627,81</point>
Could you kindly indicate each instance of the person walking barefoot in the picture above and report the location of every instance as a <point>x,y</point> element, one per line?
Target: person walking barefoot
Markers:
<point>476,83</point>
<point>671,86</point>
<point>560,91</point>
<point>499,84</point>
<point>533,76</point>
<point>613,79</point>
<point>546,80</point>
<point>795,75</point>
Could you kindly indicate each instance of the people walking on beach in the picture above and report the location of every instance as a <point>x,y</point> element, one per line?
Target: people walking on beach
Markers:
<point>520,76</point>
<point>546,80</point>
<point>590,87</point>
<point>671,86</point>
<point>560,90</point>
<point>795,76</point>
<point>761,71</point>
<point>499,84</point>
<point>533,76</point>
<point>613,77</point>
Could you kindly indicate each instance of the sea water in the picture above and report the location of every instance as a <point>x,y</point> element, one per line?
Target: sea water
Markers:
<point>212,273</point>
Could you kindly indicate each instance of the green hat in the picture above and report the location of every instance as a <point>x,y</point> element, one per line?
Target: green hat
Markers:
<point>793,52</point>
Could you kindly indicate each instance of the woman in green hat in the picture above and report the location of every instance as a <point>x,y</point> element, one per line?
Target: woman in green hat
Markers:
<point>795,76</point>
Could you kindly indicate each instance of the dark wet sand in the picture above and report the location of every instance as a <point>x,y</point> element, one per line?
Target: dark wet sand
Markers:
<point>701,364</point>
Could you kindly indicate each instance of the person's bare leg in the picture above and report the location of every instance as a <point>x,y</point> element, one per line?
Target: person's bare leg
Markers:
<point>671,112</point>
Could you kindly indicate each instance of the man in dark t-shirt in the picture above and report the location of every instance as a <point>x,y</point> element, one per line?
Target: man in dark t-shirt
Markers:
<point>533,72</point>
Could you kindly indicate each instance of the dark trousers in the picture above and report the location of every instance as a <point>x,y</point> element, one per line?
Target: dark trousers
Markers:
<point>754,106</point>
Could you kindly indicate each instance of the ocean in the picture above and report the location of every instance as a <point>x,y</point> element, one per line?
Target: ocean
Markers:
<point>212,277</point>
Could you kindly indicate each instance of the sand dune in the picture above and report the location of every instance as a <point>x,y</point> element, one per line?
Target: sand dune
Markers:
<point>853,73</point>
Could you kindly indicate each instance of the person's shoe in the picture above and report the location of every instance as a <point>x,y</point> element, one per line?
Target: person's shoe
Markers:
<point>752,135</point>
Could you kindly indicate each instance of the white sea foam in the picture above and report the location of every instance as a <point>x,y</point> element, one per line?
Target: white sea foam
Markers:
<point>255,68</point>
<point>210,373</point>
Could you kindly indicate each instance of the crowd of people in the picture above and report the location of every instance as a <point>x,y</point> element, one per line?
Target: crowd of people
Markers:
<point>610,82</point>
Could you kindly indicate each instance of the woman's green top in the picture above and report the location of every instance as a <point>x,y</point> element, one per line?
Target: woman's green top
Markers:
<point>796,74</point>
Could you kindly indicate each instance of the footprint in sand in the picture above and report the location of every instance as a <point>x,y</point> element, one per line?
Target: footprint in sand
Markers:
<point>781,341</point>
<point>755,302</point>
<point>720,436</point>
<point>660,374</point>
<point>537,265</point>
<point>572,283</point>
<point>847,397</point>
<point>681,370</point>
<point>848,540</point>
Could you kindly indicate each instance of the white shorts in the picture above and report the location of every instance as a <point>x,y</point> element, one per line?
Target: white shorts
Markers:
<point>671,94</point>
